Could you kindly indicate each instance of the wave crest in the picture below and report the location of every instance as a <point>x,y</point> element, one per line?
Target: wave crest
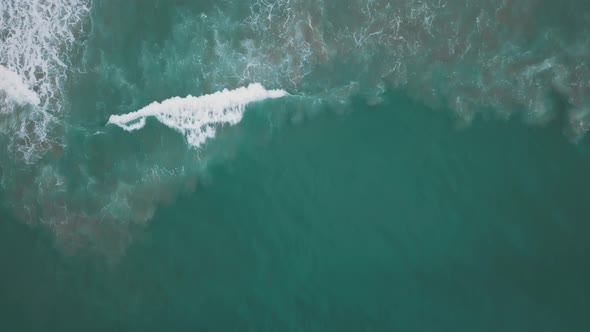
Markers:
<point>196,117</point>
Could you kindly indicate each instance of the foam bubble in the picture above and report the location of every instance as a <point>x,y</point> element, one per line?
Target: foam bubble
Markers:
<point>196,117</point>
<point>37,41</point>
<point>15,90</point>
<point>36,38</point>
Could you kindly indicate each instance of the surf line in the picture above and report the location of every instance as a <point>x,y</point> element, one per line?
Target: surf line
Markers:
<point>196,117</point>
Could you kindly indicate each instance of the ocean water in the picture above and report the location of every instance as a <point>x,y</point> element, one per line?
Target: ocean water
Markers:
<point>294,165</point>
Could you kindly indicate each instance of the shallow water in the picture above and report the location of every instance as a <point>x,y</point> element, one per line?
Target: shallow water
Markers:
<point>427,171</point>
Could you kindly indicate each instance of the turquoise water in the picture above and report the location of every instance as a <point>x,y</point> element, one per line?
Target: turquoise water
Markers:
<point>426,172</point>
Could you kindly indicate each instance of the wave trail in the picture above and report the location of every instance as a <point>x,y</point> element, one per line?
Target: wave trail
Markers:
<point>15,90</point>
<point>196,117</point>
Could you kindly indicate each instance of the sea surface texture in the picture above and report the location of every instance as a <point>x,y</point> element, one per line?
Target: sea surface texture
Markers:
<point>294,165</point>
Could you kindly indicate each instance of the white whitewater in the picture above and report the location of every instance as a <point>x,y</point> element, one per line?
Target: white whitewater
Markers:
<point>196,117</point>
<point>15,90</point>
<point>37,40</point>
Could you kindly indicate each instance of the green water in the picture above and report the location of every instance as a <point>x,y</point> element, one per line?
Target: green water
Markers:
<point>428,172</point>
<point>345,223</point>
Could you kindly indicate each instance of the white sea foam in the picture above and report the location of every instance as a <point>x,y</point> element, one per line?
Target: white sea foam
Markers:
<point>196,117</point>
<point>15,90</point>
<point>37,40</point>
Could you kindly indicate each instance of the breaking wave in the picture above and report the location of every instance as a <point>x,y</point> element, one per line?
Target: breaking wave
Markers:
<point>15,91</point>
<point>196,117</point>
